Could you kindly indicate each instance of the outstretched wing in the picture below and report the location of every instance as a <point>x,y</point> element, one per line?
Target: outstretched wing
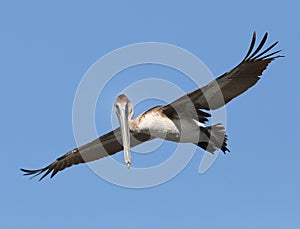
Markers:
<point>229,85</point>
<point>103,146</point>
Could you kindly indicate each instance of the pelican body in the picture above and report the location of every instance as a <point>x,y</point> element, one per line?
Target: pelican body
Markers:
<point>157,124</point>
<point>183,120</point>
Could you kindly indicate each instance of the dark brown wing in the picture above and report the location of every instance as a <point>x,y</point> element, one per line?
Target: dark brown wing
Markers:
<point>229,85</point>
<point>104,146</point>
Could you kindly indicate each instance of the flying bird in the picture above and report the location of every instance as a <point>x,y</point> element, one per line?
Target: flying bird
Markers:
<point>183,120</point>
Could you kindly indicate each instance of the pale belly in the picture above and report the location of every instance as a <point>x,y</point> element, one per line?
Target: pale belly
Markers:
<point>163,127</point>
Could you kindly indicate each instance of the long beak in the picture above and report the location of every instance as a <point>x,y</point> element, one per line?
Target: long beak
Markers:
<point>123,120</point>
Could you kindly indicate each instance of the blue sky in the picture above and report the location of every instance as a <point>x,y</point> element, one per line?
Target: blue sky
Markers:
<point>46,47</point>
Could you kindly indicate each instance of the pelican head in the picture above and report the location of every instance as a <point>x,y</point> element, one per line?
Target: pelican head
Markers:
<point>124,111</point>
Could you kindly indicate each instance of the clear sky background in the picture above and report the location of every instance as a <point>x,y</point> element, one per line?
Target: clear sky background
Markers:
<point>47,46</point>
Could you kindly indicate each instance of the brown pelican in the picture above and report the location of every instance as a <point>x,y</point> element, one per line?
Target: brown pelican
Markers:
<point>181,121</point>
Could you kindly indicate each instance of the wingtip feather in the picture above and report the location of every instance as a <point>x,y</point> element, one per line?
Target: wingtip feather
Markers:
<point>256,55</point>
